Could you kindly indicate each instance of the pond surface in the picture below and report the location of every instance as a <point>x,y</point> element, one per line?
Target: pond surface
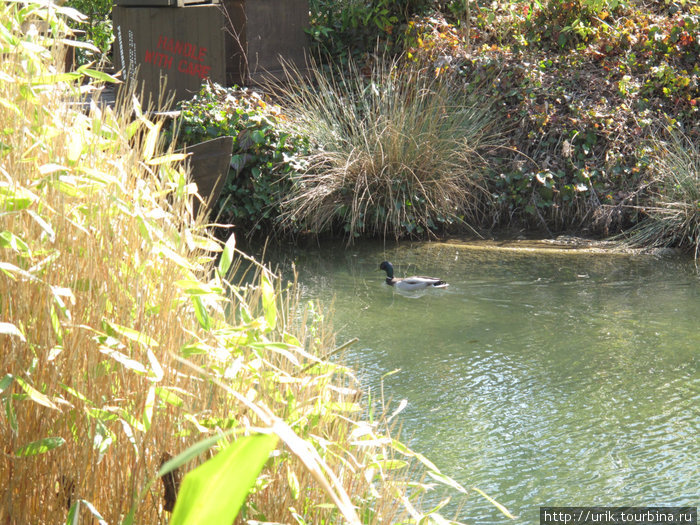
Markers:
<point>553,379</point>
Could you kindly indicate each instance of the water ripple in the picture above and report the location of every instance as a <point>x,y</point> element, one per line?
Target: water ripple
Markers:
<point>541,380</point>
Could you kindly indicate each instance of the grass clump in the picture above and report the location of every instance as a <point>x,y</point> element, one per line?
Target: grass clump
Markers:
<point>394,152</point>
<point>123,343</point>
<point>672,214</point>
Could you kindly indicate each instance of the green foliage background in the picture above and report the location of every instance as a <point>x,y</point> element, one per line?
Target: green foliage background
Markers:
<point>263,154</point>
<point>97,28</point>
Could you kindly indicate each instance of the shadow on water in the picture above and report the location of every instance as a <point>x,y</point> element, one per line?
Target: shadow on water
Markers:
<point>555,378</point>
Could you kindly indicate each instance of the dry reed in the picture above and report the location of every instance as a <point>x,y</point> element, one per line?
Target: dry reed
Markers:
<point>122,340</point>
<point>672,215</point>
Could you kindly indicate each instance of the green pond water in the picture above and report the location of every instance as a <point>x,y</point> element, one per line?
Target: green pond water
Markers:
<point>552,378</point>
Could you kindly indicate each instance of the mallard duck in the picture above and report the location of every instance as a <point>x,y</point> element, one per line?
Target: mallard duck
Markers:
<point>410,283</point>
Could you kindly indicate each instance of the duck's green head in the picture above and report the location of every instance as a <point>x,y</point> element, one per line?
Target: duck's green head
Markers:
<point>388,268</point>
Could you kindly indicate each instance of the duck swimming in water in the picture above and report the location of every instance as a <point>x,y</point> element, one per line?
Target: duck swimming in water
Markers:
<point>410,283</point>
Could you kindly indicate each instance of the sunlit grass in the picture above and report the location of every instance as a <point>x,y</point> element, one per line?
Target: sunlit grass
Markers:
<point>123,343</point>
<point>397,152</point>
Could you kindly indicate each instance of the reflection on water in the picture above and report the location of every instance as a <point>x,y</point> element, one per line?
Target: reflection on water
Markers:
<point>543,379</point>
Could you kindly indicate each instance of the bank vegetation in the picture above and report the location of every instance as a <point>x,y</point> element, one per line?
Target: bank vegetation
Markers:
<point>425,119</point>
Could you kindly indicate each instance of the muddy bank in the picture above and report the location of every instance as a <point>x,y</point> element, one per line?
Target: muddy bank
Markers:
<point>558,245</point>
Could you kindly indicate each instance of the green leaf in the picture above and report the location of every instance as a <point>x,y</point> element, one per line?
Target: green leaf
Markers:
<point>156,370</point>
<point>102,439</point>
<point>293,483</point>
<point>5,382</point>
<point>169,253</point>
<point>35,395</point>
<point>201,312</point>
<point>15,199</point>
<point>291,340</point>
<point>343,407</point>
<point>169,397</point>
<point>48,229</point>
<point>213,493</point>
<point>389,464</point>
<point>193,287</point>
<point>132,128</point>
<point>227,255</point>
<point>258,136</point>
<point>124,360</point>
<point>280,348</point>
<point>147,417</point>
<point>442,478</point>
<point>132,334</point>
<point>268,301</point>
<point>10,240</point>
<point>192,452</point>
<point>73,517</point>
<point>39,447</point>
<point>74,513</point>
<point>9,105</point>
<point>98,75</point>
<point>151,141</point>
<point>195,348</point>
<point>439,507</point>
<point>75,147</point>
<point>10,414</point>
<point>56,324</point>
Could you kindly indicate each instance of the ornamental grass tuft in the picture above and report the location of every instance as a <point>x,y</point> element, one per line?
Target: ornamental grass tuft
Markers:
<point>395,152</point>
<point>673,211</point>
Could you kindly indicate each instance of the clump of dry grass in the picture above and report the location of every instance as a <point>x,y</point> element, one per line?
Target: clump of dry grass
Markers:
<point>673,213</point>
<point>123,343</point>
<point>396,152</point>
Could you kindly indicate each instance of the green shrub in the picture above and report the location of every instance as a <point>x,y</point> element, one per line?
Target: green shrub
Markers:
<point>95,29</point>
<point>557,24</point>
<point>263,154</point>
<point>398,154</point>
<point>348,28</point>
